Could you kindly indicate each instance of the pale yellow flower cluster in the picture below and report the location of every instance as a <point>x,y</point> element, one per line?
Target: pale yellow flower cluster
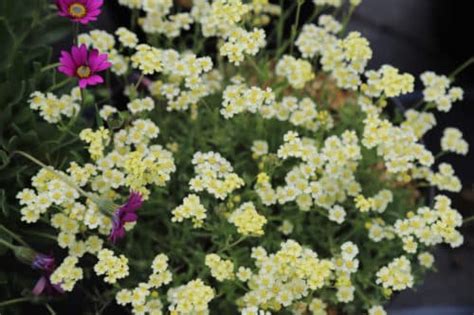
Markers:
<point>191,298</point>
<point>221,269</point>
<point>300,113</point>
<point>313,39</point>
<point>126,37</point>
<point>453,141</point>
<point>377,310</point>
<point>190,209</point>
<point>329,23</point>
<point>247,220</point>
<point>438,90</point>
<point>143,298</point>
<point>336,160</point>
<point>396,275</point>
<point>345,265</point>
<point>52,108</point>
<point>139,105</point>
<point>389,82</point>
<point>67,274</point>
<point>48,191</point>
<point>445,178</point>
<point>147,59</point>
<point>97,141</point>
<point>188,79</point>
<point>240,43</point>
<point>426,260</point>
<point>285,277</point>
<point>419,122</point>
<point>142,168</point>
<point>214,174</point>
<point>132,4</point>
<point>107,111</point>
<point>296,71</point>
<point>223,19</point>
<point>431,226</point>
<point>259,148</point>
<point>397,145</point>
<point>333,3</point>
<point>347,59</point>
<point>377,203</point>
<point>159,20</point>
<point>111,266</point>
<point>239,98</point>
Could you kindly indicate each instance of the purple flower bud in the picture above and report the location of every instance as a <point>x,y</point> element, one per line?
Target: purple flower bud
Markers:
<point>125,213</point>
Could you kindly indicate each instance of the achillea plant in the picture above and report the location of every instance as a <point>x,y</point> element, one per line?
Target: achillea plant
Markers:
<point>238,179</point>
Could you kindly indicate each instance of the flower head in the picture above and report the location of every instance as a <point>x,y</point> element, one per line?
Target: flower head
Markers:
<point>84,64</point>
<point>82,11</point>
<point>125,213</point>
<point>46,264</point>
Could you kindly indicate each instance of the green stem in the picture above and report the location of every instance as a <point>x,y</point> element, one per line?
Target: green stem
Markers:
<point>139,81</point>
<point>14,236</point>
<point>294,28</point>
<point>467,220</point>
<point>6,244</point>
<point>231,245</point>
<point>14,301</point>
<point>255,66</point>
<point>51,66</point>
<point>50,309</point>
<point>64,178</point>
<point>347,18</point>
<point>44,235</point>
<point>82,97</point>
<point>59,85</point>
<point>461,68</point>
<point>75,31</point>
<point>133,20</point>
<point>440,154</point>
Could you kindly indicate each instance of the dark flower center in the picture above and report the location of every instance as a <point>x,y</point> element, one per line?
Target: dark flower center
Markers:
<point>83,72</point>
<point>77,10</point>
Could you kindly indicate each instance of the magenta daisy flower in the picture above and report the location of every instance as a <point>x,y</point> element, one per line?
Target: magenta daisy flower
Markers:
<point>84,64</point>
<point>125,213</point>
<point>82,11</point>
<point>46,264</point>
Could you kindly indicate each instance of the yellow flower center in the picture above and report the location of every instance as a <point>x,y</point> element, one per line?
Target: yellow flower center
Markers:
<point>83,72</point>
<point>77,10</point>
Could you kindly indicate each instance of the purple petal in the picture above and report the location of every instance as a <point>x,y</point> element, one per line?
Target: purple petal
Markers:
<point>130,217</point>
<point>93,5</point>
<point>66,59</point>
<point>79,55</point>
<point>135,200</point>
<point>40,286</point>
<point>67,71</point>
<point>94,80</point>
<point>83,83</point>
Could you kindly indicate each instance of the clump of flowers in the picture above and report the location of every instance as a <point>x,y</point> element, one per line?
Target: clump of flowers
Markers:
<point>396,275</point>
<point>247,220</point>
<point>220,269</point>
<point>67,274</point>
<point>266,177</point>
<point>214,174</point>
<point>190,209</point>
<point>193,297</point>
<point>111,266</point>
